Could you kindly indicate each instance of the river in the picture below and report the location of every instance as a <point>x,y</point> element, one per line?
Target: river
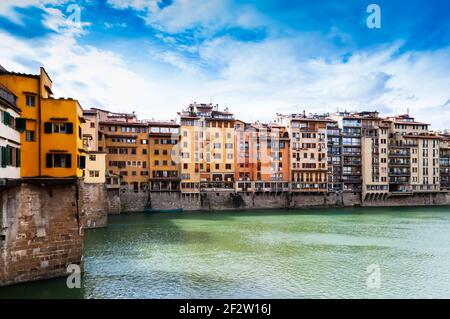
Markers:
<point>332,253</point>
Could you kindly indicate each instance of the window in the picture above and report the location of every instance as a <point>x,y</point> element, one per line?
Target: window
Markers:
<point>58,160</point>
<point>144,151</point>
<point>92,157</point>
<point>94,173</point>
<point>30,100</point>
<point>64,128</point>
<point>144,141</point>
<point>10,156</point>
<point>92,125</point>
<point>29,136</point>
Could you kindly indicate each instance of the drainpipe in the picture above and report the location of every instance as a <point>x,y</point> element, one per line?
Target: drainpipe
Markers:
<point>39,126</point>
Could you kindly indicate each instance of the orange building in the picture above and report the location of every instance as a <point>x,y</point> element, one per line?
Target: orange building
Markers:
<point>51,144</point>
<point>262,157</point>
<point>126,146</point>
<point>164,156</point>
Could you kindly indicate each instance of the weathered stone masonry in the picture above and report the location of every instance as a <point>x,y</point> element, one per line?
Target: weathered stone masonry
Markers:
<point>93,205</point>
<point>211,201</point>
<point>41,231</point>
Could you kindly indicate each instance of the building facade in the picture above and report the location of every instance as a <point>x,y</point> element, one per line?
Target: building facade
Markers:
<point>413,156</point>
<point>262,157</point>
<point>164,168</point>
<point>95,170</point>
<point>444,162</point>
<point>10,126</point>
<point>51,141</point>
<point>308,151</point>
<point>207,148</point>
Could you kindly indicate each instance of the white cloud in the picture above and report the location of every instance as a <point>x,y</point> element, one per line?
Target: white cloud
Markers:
<point>255,79</point>
<point>139,5</point>
<point>182,15</point>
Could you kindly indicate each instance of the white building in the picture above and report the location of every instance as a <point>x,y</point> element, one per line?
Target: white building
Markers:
<point>10,125</point>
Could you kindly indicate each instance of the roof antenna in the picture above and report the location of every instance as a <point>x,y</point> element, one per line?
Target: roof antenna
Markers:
<point>407,111</point>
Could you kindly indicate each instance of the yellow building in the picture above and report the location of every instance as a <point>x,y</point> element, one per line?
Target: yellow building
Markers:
<point>95,171</point>
<point>95,167</point>
<point>207,148</point>
<point>51,145</point>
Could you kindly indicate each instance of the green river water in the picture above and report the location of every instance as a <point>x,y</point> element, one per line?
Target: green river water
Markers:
<point>263,254</point>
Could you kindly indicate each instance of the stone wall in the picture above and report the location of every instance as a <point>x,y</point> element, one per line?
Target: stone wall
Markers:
<point>41,232</point>
<point>133,202</point>
<point>93,204</point>
<point>351,199</point>
<point>113,199</point>
<point>211,201</point>
<point>421,199</point>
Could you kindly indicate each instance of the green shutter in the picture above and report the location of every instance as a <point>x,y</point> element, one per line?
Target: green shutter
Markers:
<point>47,127</point>
<point>69,128</point>
<point>4,161</point>
<point>17,157</point>
<point>20,124</point>
<point>48,160</point>
<point>68,160</point>
<point>6,118</point>
<point>82,162</point>
<point>8,158</point>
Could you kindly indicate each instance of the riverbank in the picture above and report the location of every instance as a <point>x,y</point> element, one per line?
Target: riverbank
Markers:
<point>316,253</point>
<point>219,201</point>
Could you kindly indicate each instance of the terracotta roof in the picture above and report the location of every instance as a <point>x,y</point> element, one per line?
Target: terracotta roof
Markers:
<point>3,71</point>
<point>163,123</point>
<point>432,136</point>
<point>410,123</point>
<point>120,123</point>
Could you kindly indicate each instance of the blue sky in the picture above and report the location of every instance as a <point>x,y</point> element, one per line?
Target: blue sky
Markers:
<point>256,57</point>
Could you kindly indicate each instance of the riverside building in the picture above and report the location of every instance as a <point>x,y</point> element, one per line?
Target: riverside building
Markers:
<point>51,140</point>
<point>262,157</point>
<point>308,151</point>
<point>444,162</point>
<point>413,156</point>
<point>207,148</point>
<point>10,127</point>
<point>361,153</point>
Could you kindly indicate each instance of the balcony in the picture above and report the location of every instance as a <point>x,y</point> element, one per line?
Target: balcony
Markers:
<point>399,153</point>
<point>399,162</point>
<point>399,172</point>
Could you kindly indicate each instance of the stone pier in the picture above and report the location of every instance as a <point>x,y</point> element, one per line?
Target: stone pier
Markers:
<point>93,205</point>
<point>40,230</point>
